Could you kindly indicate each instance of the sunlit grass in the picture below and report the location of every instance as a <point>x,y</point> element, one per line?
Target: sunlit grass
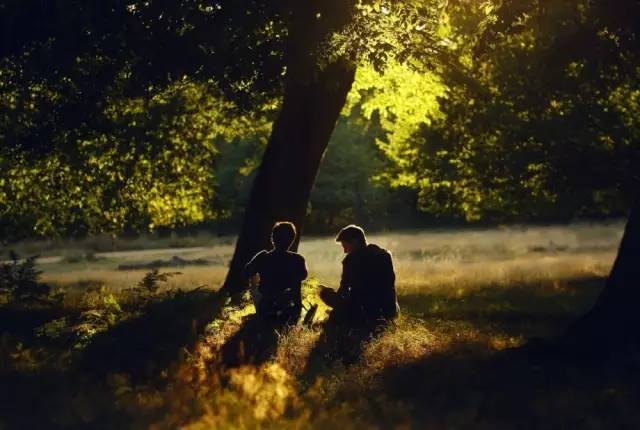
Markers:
<point>446,259</point>
<point>466,299</point>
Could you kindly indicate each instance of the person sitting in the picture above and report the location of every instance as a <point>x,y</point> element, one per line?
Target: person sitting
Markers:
<point>367,294</point>
<point>362,306</point>
<point>281,274</point>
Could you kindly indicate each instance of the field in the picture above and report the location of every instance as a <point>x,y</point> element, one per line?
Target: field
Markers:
<point>110,354</point>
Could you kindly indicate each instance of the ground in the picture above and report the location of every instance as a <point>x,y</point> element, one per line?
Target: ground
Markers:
<point>473,347</point>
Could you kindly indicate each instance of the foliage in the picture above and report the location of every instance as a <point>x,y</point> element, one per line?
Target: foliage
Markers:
<point>530,128</point>
<point>153,115</point>
<point>347,188</point>
<point>112,133</point>
<point>151,164</point>
<point>235,168</point>
<point>19,281</point>
<point>150,283</point>
<point>401,99</point>
<point>384,33</point>
<point>101,312</point>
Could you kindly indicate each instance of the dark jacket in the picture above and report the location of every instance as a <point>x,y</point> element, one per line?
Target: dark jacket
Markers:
<point>281,275</point>
<point>367,289</point>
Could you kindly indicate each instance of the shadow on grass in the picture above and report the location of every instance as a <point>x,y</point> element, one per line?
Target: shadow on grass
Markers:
<point>57,399</point>
<point>516,308</point>
<point>254,343</point>
<point>338,343</point>
<point>552,383</point>
<point>146,345</point>
<point>466,387</point>
<point>527,388</point>
<point>21,321</point>
<point>80,395</point>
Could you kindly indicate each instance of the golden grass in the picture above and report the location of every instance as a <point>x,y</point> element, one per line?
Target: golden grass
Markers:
<point>424,260</point>
<point>117,280</point>
<point>466,296</point>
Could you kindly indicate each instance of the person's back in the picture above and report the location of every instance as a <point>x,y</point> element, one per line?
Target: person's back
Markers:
<point>281,274</point>
<point>367,288</point>
<point>372,280</point>
<point>364,303</point>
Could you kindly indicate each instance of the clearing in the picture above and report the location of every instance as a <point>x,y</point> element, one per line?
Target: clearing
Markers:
<point>110,354</point>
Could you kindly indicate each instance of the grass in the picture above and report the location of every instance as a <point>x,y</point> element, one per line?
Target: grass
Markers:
<point>424,259</point>
<point>454,359</point>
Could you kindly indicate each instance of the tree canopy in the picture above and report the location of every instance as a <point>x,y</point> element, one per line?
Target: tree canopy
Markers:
<point>118,115</point>
<point>539,116</point>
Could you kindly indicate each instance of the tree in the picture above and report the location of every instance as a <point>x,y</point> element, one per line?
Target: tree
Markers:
<point>103,131</point>
<point>604,41</point>
<point>349,186</point>
<point>316,89</point>
<point>151,164</point>
<point>537,119</point>
<point>546,122</point>
<point>614,317</point>
<point>313,99</point>
<point>521,118</point>
<point>85,53</point>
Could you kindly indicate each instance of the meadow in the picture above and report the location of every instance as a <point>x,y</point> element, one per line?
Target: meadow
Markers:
<point>423,259</point>
<point>111,353</point>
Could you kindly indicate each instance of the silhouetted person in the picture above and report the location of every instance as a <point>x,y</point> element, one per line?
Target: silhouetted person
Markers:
<point>281,274</point>
<point>362,306</point>
<point>367,293</point>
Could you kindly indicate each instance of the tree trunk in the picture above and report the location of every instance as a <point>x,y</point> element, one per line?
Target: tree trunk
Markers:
<point>615,318</point>
<point>313,99</point>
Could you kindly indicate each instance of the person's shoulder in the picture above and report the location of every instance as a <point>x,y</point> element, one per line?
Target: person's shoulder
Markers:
<point>372,248</point>
<point>260,254</point>
<point>377,251</point>
<point>295,256</point>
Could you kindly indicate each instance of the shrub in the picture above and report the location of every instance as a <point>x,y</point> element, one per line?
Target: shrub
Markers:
<point>19,281</point>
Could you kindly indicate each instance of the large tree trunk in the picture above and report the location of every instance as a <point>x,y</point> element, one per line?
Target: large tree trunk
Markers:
<point>615,318</point>
<point>313,99</point>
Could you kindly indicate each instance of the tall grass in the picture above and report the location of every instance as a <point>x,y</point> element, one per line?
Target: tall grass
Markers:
<point>467,298</point>
<point>424,260</point>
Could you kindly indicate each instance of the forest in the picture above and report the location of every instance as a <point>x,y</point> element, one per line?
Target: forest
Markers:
<point>147,148</point>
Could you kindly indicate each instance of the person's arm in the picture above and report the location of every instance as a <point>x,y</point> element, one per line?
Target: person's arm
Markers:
<point>253,266</point>
<point>338,298</point>
<point>391,308</point>
<point>346,279</point>
<point>391,272</point>
<point>303,269</point>
<point>330,297</point>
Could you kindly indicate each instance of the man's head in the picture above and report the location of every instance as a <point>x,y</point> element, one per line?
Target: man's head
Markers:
<point>283,234</point>
<point>352,238</point>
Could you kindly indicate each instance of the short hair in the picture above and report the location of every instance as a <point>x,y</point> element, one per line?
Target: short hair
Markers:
<point>352,234</point>
<point>282,234</point>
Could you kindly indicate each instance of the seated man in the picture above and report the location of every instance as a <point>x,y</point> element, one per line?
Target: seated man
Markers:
<point>367,294</point>
<point>364,303</point>
<point>281,274</point>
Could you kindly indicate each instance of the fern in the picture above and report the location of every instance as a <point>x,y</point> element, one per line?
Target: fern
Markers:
<point>101,313</point>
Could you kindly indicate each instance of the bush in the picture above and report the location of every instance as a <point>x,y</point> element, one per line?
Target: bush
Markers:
<point>19,281</point>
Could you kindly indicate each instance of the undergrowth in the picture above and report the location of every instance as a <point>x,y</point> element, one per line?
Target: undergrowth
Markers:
<point>144,358</point>
<point>19,282</point>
